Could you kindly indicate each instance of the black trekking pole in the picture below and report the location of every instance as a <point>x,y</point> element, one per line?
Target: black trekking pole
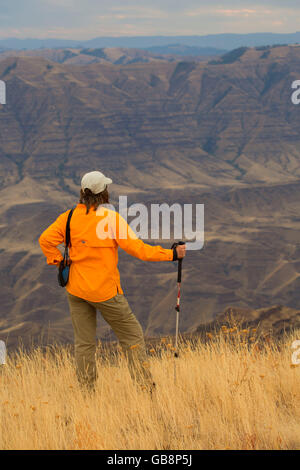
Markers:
<point>177,308</point>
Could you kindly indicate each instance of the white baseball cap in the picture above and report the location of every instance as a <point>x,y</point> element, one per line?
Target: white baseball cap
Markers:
<point>95,181</point>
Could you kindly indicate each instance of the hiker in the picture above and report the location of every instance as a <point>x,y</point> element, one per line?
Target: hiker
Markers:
<point>94,279</point>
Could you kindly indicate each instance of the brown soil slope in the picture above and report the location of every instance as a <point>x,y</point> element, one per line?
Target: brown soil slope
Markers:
<point>226,135</point>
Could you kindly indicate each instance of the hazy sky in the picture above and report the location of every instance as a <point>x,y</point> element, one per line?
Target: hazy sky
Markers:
<point>86,19</point>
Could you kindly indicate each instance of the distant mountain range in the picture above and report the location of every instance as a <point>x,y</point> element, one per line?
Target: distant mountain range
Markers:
<point>218,41</point>
<point>223,133</point>
<point>116,55</point>
<point>184,50</point>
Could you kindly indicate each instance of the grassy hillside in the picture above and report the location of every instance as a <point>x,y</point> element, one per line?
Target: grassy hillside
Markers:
<point>233,391</point>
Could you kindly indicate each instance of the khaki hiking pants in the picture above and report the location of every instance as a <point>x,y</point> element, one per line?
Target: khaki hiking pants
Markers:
<point>117,313</point>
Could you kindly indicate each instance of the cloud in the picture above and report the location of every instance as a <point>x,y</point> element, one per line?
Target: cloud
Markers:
<point>240,12</point>
<point>130,12</point>
<point>86,19</point>
<point>229,12</point>
<point>243,12</point>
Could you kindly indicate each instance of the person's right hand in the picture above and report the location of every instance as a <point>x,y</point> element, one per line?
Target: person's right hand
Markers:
<point>180,250</point>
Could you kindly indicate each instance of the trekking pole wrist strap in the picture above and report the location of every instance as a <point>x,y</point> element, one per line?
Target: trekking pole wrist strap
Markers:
<point>173,247</point>
<point>175,257</point>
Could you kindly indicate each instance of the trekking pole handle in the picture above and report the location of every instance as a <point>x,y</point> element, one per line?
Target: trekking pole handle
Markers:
<point>179,261</point>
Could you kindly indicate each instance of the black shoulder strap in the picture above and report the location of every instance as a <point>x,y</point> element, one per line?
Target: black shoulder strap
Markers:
<point>68,227</point>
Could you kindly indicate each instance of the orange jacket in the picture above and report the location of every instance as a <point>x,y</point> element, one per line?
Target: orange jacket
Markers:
<point>95,238</point>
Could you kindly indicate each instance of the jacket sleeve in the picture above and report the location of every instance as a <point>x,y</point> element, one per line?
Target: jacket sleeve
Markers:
<point>53,236</point>
<point>129,242</point>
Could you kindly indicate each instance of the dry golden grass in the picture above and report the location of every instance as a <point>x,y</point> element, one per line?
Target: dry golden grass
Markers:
<point>228,395</point>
